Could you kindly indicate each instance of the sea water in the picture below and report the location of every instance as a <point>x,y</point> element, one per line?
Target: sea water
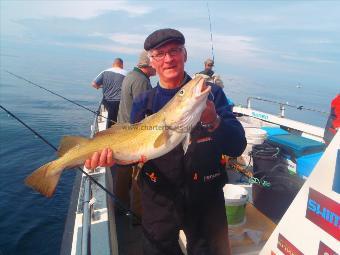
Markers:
<point>31,223</point>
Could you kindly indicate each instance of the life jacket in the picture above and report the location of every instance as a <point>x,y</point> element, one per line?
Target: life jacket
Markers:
<point>196,174</point>
<point>333,122</point>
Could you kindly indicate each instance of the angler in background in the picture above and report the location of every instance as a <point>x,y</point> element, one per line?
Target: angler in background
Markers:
<point>209,74</point>
<point>333,122</point>
<point>184,190</point>
<point>110,80</point>
<point>135,82</point>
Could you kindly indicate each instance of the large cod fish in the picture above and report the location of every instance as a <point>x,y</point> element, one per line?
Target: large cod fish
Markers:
<point>153,137</point>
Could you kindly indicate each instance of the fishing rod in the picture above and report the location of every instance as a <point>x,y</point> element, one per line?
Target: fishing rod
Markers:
<point>128,212</point>
<point>211,36</point>
<point>56,94</point>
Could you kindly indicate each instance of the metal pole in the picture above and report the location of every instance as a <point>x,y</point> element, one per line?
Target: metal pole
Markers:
<point>248,103</point>
<point>85,244</point>
<point>282,109</point>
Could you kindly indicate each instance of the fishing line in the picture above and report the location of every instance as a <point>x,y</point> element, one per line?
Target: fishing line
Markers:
<point>56,94</point>
<point>211,36</point>
<point>128,213</point>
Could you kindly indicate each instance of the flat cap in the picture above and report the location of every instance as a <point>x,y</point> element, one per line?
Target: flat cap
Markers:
<point>163,36</point>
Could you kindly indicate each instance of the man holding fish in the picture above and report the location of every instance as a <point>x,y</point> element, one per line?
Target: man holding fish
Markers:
<point>183,190</point>
<point>183,174</point>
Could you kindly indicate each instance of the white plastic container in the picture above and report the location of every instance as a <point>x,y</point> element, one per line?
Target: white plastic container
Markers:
<point>235,198</point>
<point>254,136</point>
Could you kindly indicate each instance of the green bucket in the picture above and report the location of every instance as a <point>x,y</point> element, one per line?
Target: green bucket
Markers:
<point>235,198</point>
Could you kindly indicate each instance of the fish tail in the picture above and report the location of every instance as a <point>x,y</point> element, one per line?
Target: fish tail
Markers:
<point>43,181</point>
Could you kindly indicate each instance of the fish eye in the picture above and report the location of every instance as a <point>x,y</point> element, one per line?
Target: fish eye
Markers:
<point>181,92</point>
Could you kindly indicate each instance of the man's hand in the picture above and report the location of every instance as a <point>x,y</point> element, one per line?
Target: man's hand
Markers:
<point>103,159</point>
<point>95,85</point>
<point>210,117</point>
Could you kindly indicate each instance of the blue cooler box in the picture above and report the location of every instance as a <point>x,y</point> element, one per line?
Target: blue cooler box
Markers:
<point>274,131</point>
<point>306,164</point>
<point>303,151</point>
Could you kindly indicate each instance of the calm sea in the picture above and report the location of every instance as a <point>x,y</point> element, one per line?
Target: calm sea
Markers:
<point>30,223</point>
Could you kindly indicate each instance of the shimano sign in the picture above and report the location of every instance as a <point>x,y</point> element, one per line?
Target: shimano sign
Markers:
<point>324,212</point>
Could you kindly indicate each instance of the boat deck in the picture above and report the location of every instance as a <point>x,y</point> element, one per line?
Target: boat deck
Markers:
<point>250,237</point>
<point>246,239</point>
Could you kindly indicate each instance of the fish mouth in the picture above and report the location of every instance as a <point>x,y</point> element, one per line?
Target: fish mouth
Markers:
<point>201,89</point>
<point>193,108</point>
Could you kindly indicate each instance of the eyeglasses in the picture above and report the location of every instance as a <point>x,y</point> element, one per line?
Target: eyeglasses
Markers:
<point>172,52</point>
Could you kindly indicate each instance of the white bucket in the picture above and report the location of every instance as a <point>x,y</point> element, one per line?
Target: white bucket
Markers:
<point>254,136</point>
<point>255,133</point>
<point>235,198</point>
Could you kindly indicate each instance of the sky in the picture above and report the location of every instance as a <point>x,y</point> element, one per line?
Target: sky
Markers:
<point>278,44</point>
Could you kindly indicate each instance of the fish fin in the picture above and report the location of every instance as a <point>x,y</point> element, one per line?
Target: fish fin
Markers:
<point>162,139</point>
<point>69,142</point>
<point>115,128</point>
<point>186,142</point>
<point>40,181</point>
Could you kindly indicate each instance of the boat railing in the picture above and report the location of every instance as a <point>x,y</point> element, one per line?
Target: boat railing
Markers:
<point>94,126</point>
<point>85,244</point>
<point>283,105</point>
<point>87,204</point>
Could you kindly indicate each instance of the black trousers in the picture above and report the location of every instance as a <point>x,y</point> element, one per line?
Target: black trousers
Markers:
<point>112,108</point>
<point>204,224</point>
